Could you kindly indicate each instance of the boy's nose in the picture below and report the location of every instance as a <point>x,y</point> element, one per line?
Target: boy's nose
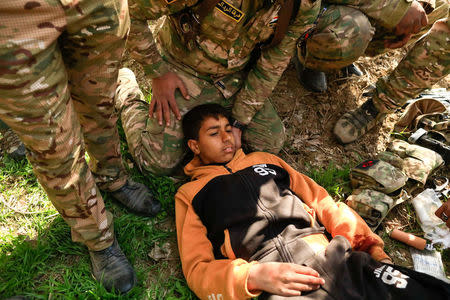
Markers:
<point>226,136</point>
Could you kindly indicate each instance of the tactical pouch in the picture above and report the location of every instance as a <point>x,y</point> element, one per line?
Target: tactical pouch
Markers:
<point>187,27</point>
<point>372,206</point>
<point>377,175</point>
<point>415,161</point>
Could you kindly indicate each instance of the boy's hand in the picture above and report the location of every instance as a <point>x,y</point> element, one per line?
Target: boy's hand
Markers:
<point>237,134</point>
<point>163,97</point>
<point>284,279</point>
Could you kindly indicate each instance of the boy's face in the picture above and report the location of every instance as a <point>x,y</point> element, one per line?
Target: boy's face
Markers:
<point>215,142</point>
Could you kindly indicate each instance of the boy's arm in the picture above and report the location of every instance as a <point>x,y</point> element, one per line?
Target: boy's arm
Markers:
<point>265,74</point>
<point>338,218</point>
<point>207,277</point>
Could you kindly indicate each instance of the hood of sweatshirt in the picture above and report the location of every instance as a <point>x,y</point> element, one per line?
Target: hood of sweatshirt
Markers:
<point>196,169</point>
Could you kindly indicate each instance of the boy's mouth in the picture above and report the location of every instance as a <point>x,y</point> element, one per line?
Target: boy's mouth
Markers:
<point>228,149</point>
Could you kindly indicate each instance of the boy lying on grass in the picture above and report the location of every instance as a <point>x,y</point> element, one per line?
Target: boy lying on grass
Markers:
<point>250,225</point>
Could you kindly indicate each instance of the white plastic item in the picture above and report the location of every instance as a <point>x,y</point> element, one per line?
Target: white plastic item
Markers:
<point>425,204</point>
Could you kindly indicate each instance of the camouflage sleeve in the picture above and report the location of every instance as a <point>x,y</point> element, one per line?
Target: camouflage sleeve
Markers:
<point>264,76</point>
<point>387,13</point>
<point>428,5</point>
<point>141,42</point>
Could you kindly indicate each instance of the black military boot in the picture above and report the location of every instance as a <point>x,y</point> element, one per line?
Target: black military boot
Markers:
<point>12,145</point>
<point>351,70</point>
<point>312,80</point>
<point>137,198</point>
<point>352,125</point>
<point>111,268</point>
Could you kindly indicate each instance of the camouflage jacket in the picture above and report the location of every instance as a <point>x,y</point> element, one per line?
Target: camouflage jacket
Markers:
<point>386,13</point>
<point>227,37</point>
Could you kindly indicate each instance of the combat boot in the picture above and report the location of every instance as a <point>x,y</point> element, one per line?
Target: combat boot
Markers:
<point>127,89</point>
<point>350,70</point>
<point>111,268</point>
<point>312,80</point>
<point>12,145</point>
<point>356,123</point>
<point>137,198</point>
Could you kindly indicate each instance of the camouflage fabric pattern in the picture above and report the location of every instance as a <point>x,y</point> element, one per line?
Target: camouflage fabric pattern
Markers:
<point>424,65</point>
<point>373,206</point>
<point>344,33</point>
<point>58,72</point>
<point>341,37</point>
<point>415,161</point>
<point>159,149</point>
<point>357,122</point>
<point>378,175</point>
<point>223,46</point>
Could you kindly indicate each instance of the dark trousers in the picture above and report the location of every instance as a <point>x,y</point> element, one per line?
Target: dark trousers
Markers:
<point>356,275</point>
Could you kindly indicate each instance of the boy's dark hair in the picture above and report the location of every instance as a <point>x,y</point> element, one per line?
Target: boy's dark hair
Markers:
<point>192,121</point>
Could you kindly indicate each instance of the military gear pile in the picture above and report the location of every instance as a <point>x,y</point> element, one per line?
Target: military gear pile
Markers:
<point>379,183</point>
<point>415,161</point>
<point>427,120</point>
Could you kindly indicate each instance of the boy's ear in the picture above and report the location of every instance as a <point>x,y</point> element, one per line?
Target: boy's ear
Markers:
<point>193,145</point>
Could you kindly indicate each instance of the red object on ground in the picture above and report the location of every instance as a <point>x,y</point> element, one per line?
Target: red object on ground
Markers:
<point>409,239</point>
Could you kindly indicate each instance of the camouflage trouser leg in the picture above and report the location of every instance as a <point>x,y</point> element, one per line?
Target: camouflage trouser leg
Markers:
<point>35,99</point>
<point>344,34</point>
<point>159,149</point>
<point>92,50</point>
<point>424,65</point>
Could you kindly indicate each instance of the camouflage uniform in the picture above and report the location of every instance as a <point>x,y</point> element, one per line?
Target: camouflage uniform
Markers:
<point>214,70</point>
<point>345,33</point>
<point>58,70</point>
<point>424,65</point>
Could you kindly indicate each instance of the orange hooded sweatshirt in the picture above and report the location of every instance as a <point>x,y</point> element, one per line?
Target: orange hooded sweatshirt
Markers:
<point>229,215</point>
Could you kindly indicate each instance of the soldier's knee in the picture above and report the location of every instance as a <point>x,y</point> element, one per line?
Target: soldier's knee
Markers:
<point>278,144</point>
<point>268,140</point>
<point>342,36</point>
<point>159,169</point>
<point>158,165</point>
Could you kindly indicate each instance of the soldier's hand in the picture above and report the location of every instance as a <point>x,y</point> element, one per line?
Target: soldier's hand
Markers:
<point>237,134</point>
<point>163,97</point>
<point>411,23</point>
<point>443,213</point>
<point>284,279</point>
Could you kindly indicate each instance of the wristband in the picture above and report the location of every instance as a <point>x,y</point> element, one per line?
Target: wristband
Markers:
<point>235,123</point>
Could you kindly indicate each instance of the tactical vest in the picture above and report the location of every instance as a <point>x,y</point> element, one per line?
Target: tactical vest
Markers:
<point>187,22</point>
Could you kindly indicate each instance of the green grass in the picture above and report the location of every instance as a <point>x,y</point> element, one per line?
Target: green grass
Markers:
<point>335,180</point>
<point>39,260</point>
